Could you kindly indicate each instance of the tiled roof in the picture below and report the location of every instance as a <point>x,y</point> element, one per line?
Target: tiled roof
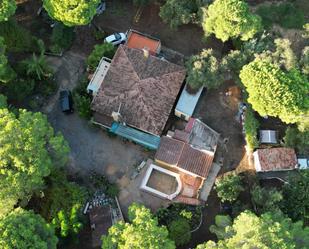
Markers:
<point>184,156</point>
<point>145,89</point>
<point>275,159</point>
<point>140,41</point>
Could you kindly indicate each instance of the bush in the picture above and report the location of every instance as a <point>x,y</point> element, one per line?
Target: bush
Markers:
<point>17,39</point>
<point>229,187</point>
<point>62,37</point>
<point>179,231</point>
<point>106,49</point>
<point>101,182</point>
<point>19,89</point>
<point>251,126</point>
<point>284,14</point>
<point>82,104</point>
<point>297,139</point>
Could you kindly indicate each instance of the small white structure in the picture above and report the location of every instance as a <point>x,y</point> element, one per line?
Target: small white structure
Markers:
<point>268,137</point>
<point>98,76</point>
<point>303,163</point>
<point>187,103</point>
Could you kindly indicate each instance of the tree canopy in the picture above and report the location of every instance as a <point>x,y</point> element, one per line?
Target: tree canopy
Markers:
<point>269,231</point>
<point>229,187</point>
<point>275,92</point>
<point>24,229</point>
<point>143,232</point>
<point>178,12</point>
<point>29,149</point>
<point>204,70</point>
<point>6,72</point>
<point>296,199</point>
<point>71,12</point>
<point>230,19</point>
<point>7,9</point>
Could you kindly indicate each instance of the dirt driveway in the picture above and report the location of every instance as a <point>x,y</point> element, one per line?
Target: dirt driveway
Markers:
<point>121,15</point>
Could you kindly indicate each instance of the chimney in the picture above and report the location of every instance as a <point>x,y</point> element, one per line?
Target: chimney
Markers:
<point>146,52</point>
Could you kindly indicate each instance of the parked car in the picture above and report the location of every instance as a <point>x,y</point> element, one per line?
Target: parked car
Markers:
<point>116,38</point>
<point>101,7</point>
<point>66,101</point>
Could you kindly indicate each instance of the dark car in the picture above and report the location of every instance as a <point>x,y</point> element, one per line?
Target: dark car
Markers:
<point>66,101</point>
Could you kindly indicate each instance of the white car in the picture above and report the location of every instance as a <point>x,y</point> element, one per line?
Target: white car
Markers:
<point>116,38</point>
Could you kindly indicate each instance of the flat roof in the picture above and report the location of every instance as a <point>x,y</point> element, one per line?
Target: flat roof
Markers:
<point>268,137</point>
<point>99,75</point>
<point>187,102</point>
<point>141,41</point>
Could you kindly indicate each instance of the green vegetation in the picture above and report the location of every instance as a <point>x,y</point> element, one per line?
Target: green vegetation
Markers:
<point>23,171</point>
<point>103,50</point>
<point>101,182</point>
<point>265,199</point>
<point>221,222</point>
<point>251,126</point>
<point>294,138</point>
<point>82,99</point>
<point>284,14</point>
<point>36,67</point>
<point>142,2</point>
<point>62,38</point>
<point>71,12</point>
<point>289,101</point>
<point>230,19</point>
<point>178,12</point>
<point>143,232</point>
<point>304,61</point>
<point>204,70</point>
<point>6,72</point>
<point>7,9</point>
<point>179,231</point>
<point>23,229</point>
<point>295,197</point>
<point>270,230</point>
<point>229,187</point>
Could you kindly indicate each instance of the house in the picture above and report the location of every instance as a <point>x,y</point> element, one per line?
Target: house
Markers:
<point>274,159</point>
<point>184,169</point>
<point>187,103</point>
<point>138,91</point>
<point>143,42</point>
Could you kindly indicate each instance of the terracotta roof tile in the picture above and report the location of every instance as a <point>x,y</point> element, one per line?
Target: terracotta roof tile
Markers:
<point>146,89</point>
<point>169,150</point>
<point>275,159</point>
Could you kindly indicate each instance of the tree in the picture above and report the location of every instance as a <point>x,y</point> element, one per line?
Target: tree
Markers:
<point>179,231</point>
<point>284,55</point>
<point>178,12</point>
<point>294,138</point>
<point>3,101</point>
<point>6,72</point>
<point>295,197</point>
<point>29,149</point>
<point>143,232</point>
<point>229,187</point>
<point>71,12</point>
<point>251,126</point>
<point>233,62</point>
<point>269,231</point>
<point>7,9</point>
<point>24,229</point>
<point>304,61</point>
<point>275,92</point>
<point>37,67</point>
<point>219,229</point>
<point>306,30</point>
<point>204,70</point>
<point>230,19</point>
<point>265,199</point>
<point>103,50</point>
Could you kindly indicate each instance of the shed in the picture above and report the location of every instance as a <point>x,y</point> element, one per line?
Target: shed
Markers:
<point>187,103</point>
<point>268,137</point>
<point>303,163</point>
<point>98,76</point>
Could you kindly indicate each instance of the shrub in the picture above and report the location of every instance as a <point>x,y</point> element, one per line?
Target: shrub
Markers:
<point>62,37</point>
<point>179,231</point>
<point>251,126</point>
<point>17,39</point>
<point>19,89</point>
<point>284,14</point>
<point>112,190</point>
<point>106,49</point>
<point>297,139</point>
<point>229,187</point>
<point>82,104</point>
